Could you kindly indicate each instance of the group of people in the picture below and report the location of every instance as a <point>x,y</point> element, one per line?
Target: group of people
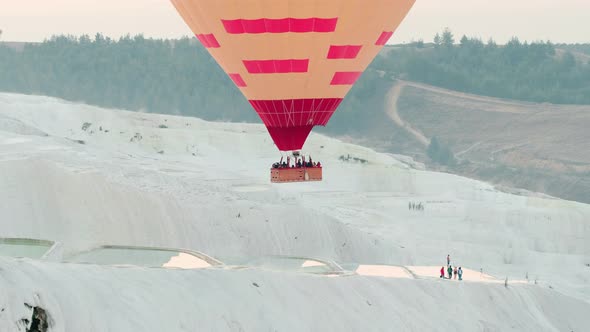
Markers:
<point>415,206</point>
<point>297,163</point>
<point>452,273</point>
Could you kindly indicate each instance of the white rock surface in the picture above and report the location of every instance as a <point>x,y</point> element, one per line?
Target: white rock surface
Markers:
<point>185,186</point>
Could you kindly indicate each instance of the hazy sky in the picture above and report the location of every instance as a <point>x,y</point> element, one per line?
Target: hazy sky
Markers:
<point>557,20</point>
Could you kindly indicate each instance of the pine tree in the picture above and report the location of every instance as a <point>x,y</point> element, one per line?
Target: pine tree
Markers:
<point>448,40</point>
<point>437,40</point>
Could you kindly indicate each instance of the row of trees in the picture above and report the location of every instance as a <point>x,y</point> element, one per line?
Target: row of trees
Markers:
<point>580,48</point>
<point>179,76</point>
<point>165,76</point>
<point>518,70</point>
<point>136,73</point>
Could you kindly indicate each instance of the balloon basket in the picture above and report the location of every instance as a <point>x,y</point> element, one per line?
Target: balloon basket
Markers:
<point>301,174</point>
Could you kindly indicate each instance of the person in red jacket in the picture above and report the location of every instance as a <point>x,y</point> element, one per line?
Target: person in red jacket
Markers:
<point>442,272</point>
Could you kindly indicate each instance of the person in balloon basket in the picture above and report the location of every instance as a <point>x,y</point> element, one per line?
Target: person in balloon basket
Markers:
<point>299,163</point>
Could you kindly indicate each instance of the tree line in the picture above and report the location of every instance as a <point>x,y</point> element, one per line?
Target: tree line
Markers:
<point>141,74</point>
<point>135,73</point>
<point>581,48</point>
<point>519,70</point>
<point>179,76</point>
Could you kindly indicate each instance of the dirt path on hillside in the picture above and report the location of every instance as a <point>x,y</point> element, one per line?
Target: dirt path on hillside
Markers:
<point>509,105</point>
<point>391,110</point>
<point>506,106</point>
<point>473,146</point>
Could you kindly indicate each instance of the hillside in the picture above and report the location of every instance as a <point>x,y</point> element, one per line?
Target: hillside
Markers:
<point>86,176</point>
<point>521,145</point>
<point>179,77</point>
<point>135,299</point>
<point>534,72</point>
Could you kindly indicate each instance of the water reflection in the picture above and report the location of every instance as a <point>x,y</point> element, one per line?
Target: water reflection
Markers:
<point>24,248</point>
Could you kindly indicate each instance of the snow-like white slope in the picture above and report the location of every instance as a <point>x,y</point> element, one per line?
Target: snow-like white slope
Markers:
<point>93,298</point>
<point>155,180</point>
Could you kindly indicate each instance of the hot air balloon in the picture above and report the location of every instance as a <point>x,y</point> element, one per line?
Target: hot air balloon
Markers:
<point>294,60</point>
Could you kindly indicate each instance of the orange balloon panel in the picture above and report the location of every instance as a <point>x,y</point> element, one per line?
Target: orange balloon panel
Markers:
<point>294,60</point>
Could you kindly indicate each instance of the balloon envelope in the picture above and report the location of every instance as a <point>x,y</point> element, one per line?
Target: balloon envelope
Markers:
<point>294,60</point>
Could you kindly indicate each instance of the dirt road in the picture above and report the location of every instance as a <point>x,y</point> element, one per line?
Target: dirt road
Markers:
<point>391,109</point>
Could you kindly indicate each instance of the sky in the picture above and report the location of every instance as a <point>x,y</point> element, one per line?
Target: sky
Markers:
<point>556,20</point>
